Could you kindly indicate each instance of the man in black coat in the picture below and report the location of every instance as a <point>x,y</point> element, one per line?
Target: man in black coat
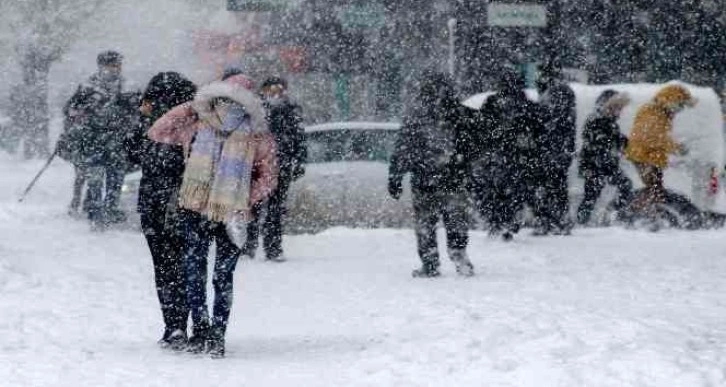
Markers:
<point>432,147</point>
<point>558,149</point>
<point>106,119</point>
<point>285,120</point>
<point>508,163</point>
<point>602,145</point>
<point>162,167</point>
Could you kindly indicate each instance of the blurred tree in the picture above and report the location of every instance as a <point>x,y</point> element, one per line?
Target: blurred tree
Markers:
<point>40,31</point>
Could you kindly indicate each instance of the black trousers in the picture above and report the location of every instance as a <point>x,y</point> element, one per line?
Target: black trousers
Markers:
<point>500,194</point>
<point>274,210</point>
<point>166,247</point>
<point>553,202</point>
<point>451,208</point>
<point>594,184</point>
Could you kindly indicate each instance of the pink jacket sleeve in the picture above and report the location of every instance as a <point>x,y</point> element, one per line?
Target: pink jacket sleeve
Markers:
<point>265,169</point>
<point>176,127</point>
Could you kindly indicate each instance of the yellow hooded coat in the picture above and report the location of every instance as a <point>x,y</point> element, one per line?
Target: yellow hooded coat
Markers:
<point>650,140</point>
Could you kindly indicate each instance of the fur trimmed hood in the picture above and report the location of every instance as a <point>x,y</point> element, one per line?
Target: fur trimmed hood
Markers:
<point>252,104</point>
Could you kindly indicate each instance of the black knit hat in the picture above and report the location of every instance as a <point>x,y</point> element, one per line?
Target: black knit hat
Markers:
<point>107,58</point>
<point>604,97</point>
<point>272,81</point>
<point>168,89</point>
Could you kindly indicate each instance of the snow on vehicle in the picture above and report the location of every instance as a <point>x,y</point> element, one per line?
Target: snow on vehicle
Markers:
<point>346,179</point>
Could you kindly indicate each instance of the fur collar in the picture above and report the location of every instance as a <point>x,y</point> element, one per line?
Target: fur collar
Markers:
<point>244,97</point>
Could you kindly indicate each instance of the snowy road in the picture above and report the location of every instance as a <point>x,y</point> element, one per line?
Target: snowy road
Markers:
<point>605,307</point>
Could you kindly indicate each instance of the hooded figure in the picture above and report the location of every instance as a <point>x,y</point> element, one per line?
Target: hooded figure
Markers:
<point>600,155</point>
<point>558,149</point>
<point>651,142</point>
<point>509,143</point>
<point>230,166</point>
<point>431,146</point>
<point>162,166</point>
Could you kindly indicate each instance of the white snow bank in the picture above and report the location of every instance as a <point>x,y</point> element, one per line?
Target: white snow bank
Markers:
<point>700,129</point>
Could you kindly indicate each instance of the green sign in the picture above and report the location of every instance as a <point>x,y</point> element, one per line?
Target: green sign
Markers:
<point>516,15</point>
<point>257,5</point>
<point>362,17</point>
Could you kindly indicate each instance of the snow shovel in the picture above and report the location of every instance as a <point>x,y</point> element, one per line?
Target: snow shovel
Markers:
<point>37,176</point>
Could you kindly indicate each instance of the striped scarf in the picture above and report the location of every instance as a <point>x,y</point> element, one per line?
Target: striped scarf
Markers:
<point>218,173</point>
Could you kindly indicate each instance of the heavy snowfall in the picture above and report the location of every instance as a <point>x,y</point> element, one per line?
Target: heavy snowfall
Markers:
<point>381,193</point>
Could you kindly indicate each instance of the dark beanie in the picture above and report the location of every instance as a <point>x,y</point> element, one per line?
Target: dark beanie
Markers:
<point>272,81</point>
<point>109,58</point>
<point>168,89</point>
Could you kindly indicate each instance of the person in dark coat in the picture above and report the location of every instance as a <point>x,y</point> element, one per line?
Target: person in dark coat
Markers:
<point>431,147</point>
<point>73,144</point>
<point>558,149</point>
<point>509,160</point>
<point>162,167</point>
<point>101,140</point>
<point>603,143</point>
<point>285,120</point>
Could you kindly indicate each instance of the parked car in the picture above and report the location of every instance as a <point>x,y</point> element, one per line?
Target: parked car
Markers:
<point>345,183</point>
<point>346,179</point>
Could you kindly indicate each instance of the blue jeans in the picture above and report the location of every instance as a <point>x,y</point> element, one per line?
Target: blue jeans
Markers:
<point>199,233</point>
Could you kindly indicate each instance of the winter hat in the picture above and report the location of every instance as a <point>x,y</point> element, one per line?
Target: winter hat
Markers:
<point>674,95</point>
<point>274,81</point>
<point>604,97</point>
<point>107,58</point>
<point>609,100</point>
<point>168,89</point>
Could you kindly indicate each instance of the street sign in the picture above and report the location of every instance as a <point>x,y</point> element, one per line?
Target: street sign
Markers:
<point>516,15</point>
<point>362,17</point>
<point>257,5</point>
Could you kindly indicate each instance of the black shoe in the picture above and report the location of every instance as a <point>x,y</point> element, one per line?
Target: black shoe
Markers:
<point>507,236</point>
<point>215,343</point>
<point>427,270</point>
<point>198,342</point>
<point>176,340</point>
<point>215,348</point>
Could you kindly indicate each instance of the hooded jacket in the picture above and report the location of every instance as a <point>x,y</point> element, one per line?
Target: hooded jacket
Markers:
<point>179,126</point>
<point>602,142</point>
<point>651,140</point>
<point>432,143</point>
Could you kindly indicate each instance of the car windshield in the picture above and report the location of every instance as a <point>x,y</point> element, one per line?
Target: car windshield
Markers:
<point>350,145</point>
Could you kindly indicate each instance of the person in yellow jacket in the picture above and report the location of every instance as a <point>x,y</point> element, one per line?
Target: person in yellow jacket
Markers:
<point>651,142</point>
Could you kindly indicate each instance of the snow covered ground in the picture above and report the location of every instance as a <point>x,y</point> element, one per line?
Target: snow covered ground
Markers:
<point>605,307</point>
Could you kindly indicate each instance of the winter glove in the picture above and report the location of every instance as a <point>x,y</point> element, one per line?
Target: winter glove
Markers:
<point>298,172</point>
<point>395,188</point>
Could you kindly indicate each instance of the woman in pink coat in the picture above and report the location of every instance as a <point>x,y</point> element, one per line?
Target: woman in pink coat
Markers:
<point>230,166</point>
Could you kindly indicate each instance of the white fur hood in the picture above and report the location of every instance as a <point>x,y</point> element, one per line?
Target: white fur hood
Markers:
<point>244,97</point>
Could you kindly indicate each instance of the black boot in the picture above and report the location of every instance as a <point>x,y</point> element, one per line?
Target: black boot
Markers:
<point>427,270</point>
<point>215,344</point>
<point>198,342</point>
<point>174,339</point>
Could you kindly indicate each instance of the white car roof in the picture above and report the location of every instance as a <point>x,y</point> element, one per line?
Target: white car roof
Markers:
<point>353,125</point>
